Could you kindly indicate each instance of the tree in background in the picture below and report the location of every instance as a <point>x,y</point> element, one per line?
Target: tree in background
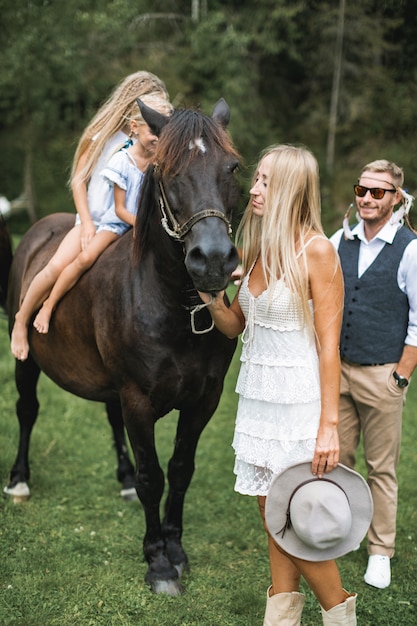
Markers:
<point>273,61</point>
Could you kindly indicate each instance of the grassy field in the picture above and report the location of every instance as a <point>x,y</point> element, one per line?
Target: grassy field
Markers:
<point>72,555</point>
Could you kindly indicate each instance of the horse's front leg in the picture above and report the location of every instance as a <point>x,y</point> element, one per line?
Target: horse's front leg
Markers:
<point>191,424</point>
<point>139,419</point>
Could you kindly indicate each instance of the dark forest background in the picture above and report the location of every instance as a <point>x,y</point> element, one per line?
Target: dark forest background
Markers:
<point>338,76</point>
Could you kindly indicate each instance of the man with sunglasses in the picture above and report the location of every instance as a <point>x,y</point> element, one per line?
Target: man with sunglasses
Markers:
<point>378,344</point>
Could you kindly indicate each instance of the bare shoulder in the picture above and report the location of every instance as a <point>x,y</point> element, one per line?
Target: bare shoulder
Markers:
<point>323,264</point>
<point>320,249</point>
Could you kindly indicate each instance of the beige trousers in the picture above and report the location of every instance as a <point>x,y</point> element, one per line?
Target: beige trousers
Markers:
<point>371,403</point>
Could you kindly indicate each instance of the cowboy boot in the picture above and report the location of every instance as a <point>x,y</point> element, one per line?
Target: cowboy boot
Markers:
<point>343,614</point>
<point>283,609</point>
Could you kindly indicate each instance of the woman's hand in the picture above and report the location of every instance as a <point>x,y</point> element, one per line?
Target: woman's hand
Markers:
<point>229,320</point>
<point>208,298</point>
<point>326,454</point>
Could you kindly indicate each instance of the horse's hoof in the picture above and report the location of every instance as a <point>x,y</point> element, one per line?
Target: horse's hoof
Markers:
<point>170,587</point>
<point>162,577</point>
<point>129,494</point>
<point>20,492</point>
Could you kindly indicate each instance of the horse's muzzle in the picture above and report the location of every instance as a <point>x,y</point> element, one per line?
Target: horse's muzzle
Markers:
<point>210,267</point>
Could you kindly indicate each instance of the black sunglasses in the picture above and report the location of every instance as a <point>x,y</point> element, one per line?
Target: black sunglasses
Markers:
<point>376,192</point>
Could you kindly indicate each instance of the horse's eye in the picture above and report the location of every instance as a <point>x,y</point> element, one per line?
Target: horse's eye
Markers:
<point>233,167</point>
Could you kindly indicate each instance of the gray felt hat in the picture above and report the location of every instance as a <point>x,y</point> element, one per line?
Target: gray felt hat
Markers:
<point>317,519</point>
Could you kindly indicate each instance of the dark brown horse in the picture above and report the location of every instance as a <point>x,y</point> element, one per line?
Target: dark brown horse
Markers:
<point>129,334</point>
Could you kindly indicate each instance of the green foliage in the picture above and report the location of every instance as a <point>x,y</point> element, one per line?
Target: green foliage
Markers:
<point>226,52</point>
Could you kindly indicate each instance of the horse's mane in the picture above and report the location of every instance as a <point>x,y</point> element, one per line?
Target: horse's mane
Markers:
<point>146,210</point>
<point>175,151</point>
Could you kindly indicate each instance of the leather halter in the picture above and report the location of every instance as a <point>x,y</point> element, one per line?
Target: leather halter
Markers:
<point>177,231</point>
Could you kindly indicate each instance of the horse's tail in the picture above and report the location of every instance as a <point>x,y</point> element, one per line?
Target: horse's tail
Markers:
<point>6,257</point>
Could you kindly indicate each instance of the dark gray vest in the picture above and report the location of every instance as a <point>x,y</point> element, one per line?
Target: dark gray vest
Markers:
<point>375,317</point>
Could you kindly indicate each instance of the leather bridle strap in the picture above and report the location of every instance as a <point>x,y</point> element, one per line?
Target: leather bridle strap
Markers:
<point>176,231</point>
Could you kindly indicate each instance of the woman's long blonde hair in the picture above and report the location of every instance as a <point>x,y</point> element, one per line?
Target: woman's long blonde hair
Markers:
<point>112,116</point>
<point>292,211</point>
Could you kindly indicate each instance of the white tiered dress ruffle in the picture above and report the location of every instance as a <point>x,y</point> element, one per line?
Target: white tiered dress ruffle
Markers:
<point>279,389</point>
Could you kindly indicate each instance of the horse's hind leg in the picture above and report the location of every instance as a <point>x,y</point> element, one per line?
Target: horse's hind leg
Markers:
<point>125,469</point>
<point>27,406</point>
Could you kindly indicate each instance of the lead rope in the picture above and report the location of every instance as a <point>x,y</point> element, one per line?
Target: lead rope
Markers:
<point>197,309</point>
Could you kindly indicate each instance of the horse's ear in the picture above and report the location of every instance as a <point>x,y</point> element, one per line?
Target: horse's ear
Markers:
<point>155,120</point>
<point>221,112</point>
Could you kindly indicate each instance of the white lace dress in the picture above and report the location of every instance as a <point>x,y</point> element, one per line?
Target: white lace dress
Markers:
<point>279,390</point>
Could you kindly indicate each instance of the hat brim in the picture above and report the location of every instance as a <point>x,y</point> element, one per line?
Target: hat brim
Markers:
<point>279,494</point>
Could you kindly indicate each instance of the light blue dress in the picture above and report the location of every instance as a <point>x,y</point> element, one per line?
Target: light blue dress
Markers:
<point>122,171</point>
<point>99,192</point>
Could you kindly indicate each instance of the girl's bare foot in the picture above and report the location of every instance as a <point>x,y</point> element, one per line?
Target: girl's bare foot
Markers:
<point>19,340</point>
<point>41,322</point>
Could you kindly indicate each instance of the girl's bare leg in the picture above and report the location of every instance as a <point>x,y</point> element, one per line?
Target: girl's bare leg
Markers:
<point>70,275</point>
<point>39,289</point>
<point>322,577</point>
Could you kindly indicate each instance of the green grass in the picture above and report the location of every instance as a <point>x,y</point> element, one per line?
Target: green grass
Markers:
<point>72,555</point>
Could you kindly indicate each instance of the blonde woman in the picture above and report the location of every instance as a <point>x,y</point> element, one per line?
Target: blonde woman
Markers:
<point>108,130</point>
<point>289,310</point>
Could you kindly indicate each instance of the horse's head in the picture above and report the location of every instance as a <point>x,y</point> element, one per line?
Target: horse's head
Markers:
<point>194,173</point>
